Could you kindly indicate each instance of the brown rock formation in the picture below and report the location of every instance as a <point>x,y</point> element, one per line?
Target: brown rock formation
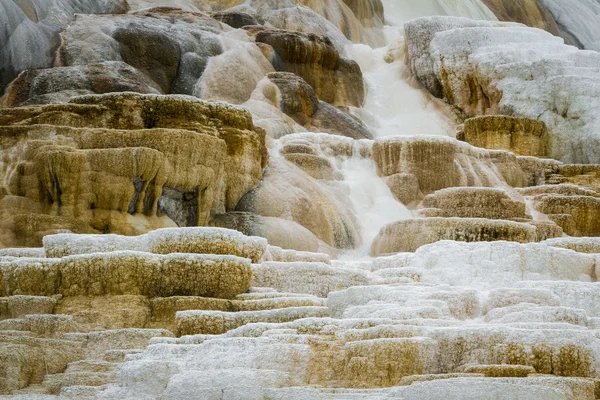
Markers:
<point>468,202</point>
<point>106,163</point>
<point>58,85</point>
<point>409,235</point>
<point>522,136</point>
<point>298,100</point>
<point>531,13</point>
<point>334,79</point>
<point>289,193</point>
<point>430,163</point>
<point>577,215</point>
<point>279,232</point>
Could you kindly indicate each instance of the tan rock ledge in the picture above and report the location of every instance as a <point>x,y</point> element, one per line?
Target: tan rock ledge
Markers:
<point>409,235</point>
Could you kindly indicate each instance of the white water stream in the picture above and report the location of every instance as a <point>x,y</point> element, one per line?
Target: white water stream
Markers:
<point>399,107</point>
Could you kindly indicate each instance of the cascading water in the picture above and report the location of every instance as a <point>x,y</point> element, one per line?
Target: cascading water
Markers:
<point>373,201</point>
<point>334,290</point>
<point>397,12</point>
<point>394,99</point>
<point>395,105</point>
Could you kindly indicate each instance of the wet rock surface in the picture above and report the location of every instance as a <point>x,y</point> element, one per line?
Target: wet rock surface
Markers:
<point>253,200</point>
<point>104,164</point>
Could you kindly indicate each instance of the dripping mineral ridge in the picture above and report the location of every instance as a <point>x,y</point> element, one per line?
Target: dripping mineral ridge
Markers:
<point>300,199</point>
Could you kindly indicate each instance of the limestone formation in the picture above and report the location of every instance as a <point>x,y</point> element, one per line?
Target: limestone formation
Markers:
<point>279,232</point>
<point>285,193</point>
<point>334,79</point>
<point>341,21</point>
<point>31,28</point>
<point>139,273</point>
<point>357,311</point>
<point>474,203</point>
<point>485,68</point>
<point>522,136</point>
<point>409,235</point>
<point>106,164</point>
<point>237,19</point>
<point>436,163</point>
<point>581,213</point>
<point>303,224</point>
<point>582,245</point>
<point>531,13</point>
<point>298,100</point>
<point>161,241</point>
<point>58,85</point>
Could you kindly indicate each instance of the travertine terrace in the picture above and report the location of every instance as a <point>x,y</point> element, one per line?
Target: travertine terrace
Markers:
<point>299,199</point>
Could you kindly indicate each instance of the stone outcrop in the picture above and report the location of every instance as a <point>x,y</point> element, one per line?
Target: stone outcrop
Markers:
<point>522,136</point>
<point>412,339</point>
<point>420,165</point>
<point>285,193</point>
<point>340,20</point>
<point>577,215</point>
<point>589,245</point>
<point>159,50</point>
<point>106,164</point>
<point>298,100</point>
<point>584,175</point>
<point>139,273</point>
<point>31,27</point>
<point>485,68</point>
<point>409,235</point>
<point>365,320</point>
<point>237,19</point>
<point>475,292</point>
<point>531,13</point>
<point>334,79</point>
<point>279,232</point>
<point>489,203</point>
<point>161,241</point>
<point>58,85</point>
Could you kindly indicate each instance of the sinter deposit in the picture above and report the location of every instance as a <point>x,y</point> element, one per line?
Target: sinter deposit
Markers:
<point>299,199</point>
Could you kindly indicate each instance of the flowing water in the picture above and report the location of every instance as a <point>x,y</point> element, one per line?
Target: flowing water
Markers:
<point>395,106</point>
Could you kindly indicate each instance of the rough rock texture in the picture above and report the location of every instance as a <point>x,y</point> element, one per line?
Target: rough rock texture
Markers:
<point>118,273</point>
<point>578,215</point>
<point>409,340</point>
<point>474,203</point>
<point>406,335</point>
<point>279,232</point>
<point>335,80</point>
<point>105,163</point>
<point>531,13</point>
<point>581,245</point>
<point>284,193</point>
<point>58,85</point>
<point>522,136</point>
<point>160,50</point>
<point>409,235</point>
<point>301,312</point>
<point>333,18</point>
<point>161,241</point>
<point>31,27</point>
<point>298,100</point>
<point>484,68</point>
<point>237,19</point>
<point>430,163</point>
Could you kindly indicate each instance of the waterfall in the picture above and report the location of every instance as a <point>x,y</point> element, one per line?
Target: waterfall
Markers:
<point>395,105</point>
